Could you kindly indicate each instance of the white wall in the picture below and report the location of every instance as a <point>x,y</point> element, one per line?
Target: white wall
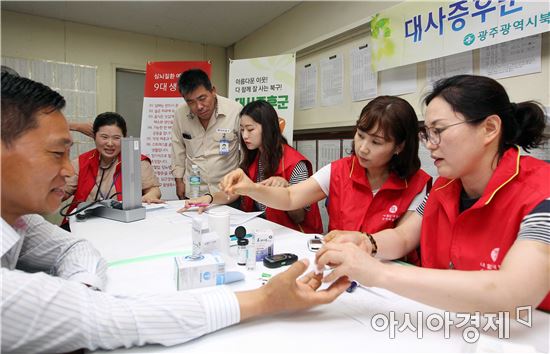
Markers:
<point>307,23</point>
<point>33,37</point>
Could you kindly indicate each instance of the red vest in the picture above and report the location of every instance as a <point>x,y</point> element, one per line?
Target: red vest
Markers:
<point>479,237</point>
<point>88,166</point>
<point>312,222</point>
<point>351,205</point>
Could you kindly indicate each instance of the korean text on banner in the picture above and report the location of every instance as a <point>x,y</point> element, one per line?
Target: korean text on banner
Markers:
<point>270,79</point>
<point>160,101</point>
<point>419,30</point>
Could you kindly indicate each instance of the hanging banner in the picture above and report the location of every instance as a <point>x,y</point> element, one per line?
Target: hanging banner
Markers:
<point>419,30</point>
<point>159,105</point>
<point>270,79</point>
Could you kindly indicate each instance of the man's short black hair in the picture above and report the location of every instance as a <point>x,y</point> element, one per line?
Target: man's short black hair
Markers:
<point>192,79</point>
<point>7,69</point>
<point>22,99</point>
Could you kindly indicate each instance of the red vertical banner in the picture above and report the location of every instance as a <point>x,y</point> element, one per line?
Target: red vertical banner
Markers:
<point>161,77</point>
<point>160,101</point>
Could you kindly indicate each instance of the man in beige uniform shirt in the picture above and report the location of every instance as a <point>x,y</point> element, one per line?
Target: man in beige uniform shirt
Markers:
<point>205,133</point>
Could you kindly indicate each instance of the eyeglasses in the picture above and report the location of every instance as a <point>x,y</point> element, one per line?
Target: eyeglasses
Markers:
<point>433,134</point>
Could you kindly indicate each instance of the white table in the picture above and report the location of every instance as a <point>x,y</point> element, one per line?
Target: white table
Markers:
<point>141,263</point>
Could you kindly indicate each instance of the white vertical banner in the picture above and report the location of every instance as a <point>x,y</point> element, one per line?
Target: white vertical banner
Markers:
<point>270,79</point>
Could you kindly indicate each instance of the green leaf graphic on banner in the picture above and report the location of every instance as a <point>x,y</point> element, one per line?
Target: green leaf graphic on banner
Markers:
<point>381,32</point>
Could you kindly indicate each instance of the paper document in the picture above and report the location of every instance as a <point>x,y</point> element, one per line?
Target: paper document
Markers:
<point>150,207</point>
<point>236,217</point>
<point>332,80</point>
<point>364,82</point>
<point>398,81</point>
<point>307,86</point>
<point>518,57</point>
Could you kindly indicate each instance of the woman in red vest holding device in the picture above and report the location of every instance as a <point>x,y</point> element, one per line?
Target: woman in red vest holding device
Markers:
<point>98,175</point>
<point>269,161</point>
<point>484,230</point>
<point>368,191</point>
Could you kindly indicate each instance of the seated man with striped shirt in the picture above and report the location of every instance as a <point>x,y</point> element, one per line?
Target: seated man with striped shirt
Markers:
<point>49,278</point>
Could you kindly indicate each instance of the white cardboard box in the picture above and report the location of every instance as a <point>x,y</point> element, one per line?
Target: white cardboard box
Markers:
<point>192,274</point>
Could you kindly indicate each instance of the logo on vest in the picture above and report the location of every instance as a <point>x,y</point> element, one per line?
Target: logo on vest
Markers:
<point>491,266</point>
<point>392,216</point>
<point>494,254</point>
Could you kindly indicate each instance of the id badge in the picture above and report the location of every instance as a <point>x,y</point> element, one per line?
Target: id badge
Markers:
<point>224,146</point>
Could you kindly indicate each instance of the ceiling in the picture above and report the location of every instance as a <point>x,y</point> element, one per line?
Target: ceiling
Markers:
<point>220,23</point>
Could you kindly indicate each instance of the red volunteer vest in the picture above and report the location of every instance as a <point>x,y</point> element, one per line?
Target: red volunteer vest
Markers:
<point>312,222</point>
<point>351,203</point>
<point>479,237</point>
<point>88,167</point>
<point>352,206</point>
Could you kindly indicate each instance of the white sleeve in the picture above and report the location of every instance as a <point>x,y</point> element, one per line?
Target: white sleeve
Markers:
<point>322,177</point>
<point>47,314</point>
<point>418,199</point>
<point>49,248</point>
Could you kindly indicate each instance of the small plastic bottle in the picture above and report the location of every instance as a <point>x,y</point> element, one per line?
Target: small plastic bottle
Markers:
<point>194,182</point>
<point>251,255</point>
<point>242,251</point>
<point>196,234</point>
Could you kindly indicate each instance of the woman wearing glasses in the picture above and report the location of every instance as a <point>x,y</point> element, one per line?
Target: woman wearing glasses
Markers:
<point>484,230</point>
<point>371,190</point>
<point>98,171</point>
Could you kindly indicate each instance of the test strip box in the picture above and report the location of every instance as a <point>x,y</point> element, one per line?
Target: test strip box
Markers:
<point>264,243</point>
<point>198,273</point>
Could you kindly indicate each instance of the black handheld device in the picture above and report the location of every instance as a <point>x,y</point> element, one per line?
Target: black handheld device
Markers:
<point>279,260</point>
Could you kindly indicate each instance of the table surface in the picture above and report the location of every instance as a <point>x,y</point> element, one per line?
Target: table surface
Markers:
<point>140,256</point>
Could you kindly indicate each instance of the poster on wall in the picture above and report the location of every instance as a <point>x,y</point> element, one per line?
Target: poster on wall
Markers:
<point>514,58</point>
<point>159,105</point>
<point>307,86</point>
<point>456,64</point>
<point>332,80</point>
<point>363,81</point>
<point>270,79</point>
<point>415,31</point>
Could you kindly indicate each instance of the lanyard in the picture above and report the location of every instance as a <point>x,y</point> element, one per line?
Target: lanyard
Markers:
<point>99,193</point>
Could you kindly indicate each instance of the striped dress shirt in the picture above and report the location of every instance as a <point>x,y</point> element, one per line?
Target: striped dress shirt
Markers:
<point>47,308</point>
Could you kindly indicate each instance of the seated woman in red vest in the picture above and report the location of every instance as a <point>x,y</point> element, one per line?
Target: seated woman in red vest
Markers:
<point>371,190</point>
<point>484,230</point>
<point>98,170</point>
<point>270,161</point>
